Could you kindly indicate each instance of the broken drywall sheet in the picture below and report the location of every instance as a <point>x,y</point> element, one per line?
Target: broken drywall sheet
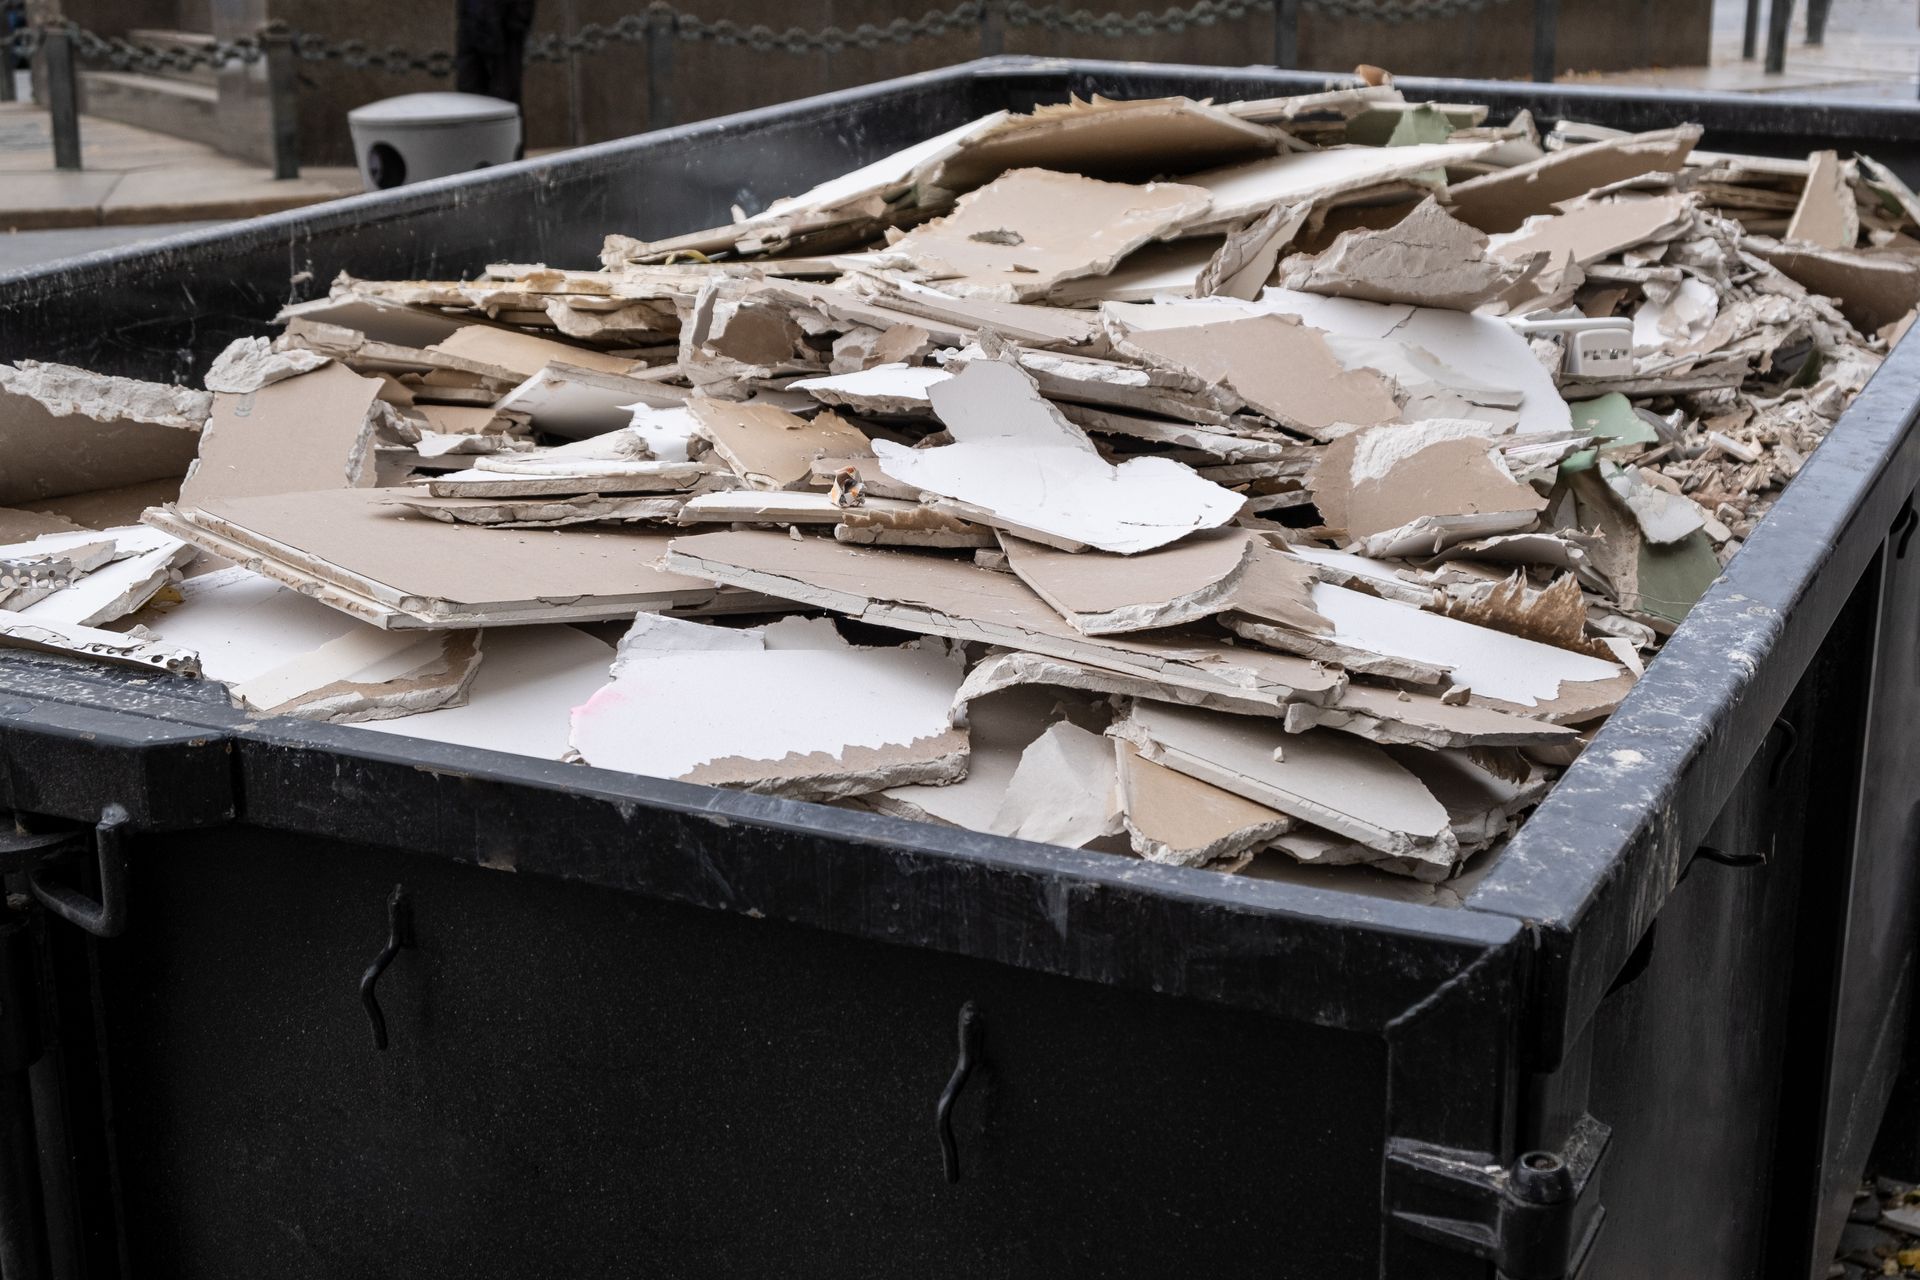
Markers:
<point>1428,259</point>
<point>1416,489</point>
<point>1347,786</point>
<point>1052,327</point>
<point>1104,594</point>
<point>1484,349</point>
<point>119,647</point>
<point>599,480</point>
<point>380,319</point>
<point>574,402</point>
<point>524,354</point>
<point>1501,201</point>
<point>1276,588</point>
<point>1243,265</point>
<point>310,431</point>
<point>885,390</point>
<point>1587,231</point>
<point>1873,290</point>
<point>1019,236</point>
<point>1479,802</point>
<point>759,506</point>
<point>655,634</point>
<point>769,448</point>
<point>249,364</point>
<point>1423,720</point>
<point>1017,464</point>
<point>737,721</point>
<point>1127,141</point>
<point>1184,822</point>
<point>1673,316</point>
<point>1274,365</point>
<point>242,624</point>
<point>1014,669</point>
<point>954,598</point>
<point>1663,516</point>
<point>1827,215</point>
<point>148,561</point>
<point>999,730</point>
<point>367,674</point>
<point>1507,671</point>
<point>441,444</point>
<point>1170,268</point>
<point>65,431</point>
<point>356,551</point>
<point>1244,191</point>
<point>522,697</point>
<point>545,513</point>
<point>1064,790</point>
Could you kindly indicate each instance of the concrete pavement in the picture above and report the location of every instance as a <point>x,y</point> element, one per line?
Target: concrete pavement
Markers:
<point>132,176</point>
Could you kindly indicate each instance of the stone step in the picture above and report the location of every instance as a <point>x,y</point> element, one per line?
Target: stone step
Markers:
<point>178,108</point>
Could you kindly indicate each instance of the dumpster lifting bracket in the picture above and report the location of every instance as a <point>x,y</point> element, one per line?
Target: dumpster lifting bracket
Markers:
<point>1533,1220</point>
<point>30,852</point>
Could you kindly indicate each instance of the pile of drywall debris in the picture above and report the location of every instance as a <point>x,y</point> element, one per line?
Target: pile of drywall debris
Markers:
<point>1229,484</point>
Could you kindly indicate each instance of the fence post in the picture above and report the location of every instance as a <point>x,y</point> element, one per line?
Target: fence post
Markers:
<point>1286,34</point>
<point>1546,40</point>
<point>7,90</point>
<point>1817,20</point>
<point>63,98</point>
<point>993,28</point>
<point>659,68</point>
<point>283,100</point>
<point>1779,19</point>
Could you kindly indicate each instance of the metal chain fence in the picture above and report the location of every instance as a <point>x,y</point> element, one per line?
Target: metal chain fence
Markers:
<point>662,18</point>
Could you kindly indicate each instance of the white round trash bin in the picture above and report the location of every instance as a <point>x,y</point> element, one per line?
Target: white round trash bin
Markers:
<point>430,135</point>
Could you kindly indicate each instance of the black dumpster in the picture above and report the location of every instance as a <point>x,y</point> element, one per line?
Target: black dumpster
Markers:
<point>638,1027</point>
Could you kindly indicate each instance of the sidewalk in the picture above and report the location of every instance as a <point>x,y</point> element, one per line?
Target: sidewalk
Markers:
<point>132,176</point>
<point>1872,52</point>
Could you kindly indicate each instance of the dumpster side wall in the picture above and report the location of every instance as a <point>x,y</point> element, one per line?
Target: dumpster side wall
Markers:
<point>586,1084</point>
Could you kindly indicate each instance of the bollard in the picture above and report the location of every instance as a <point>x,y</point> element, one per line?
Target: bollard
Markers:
<point>7,91</point>
<point>1546,40</point>
<point>283,100</point>
<point>1286,33</point>
<point>1750,40</point>
<point>1817,21</point>
<point>659,68</point>
<point>993,28</point>
<point>63,98</point>
<point>1779,19</point>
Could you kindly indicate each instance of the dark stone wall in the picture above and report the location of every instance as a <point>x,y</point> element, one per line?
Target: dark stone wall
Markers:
<point>605,94</point>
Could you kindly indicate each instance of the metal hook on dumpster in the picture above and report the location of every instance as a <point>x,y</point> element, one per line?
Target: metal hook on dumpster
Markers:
<point>399,934</point>
<point>970,1031</point>
<point>1904,524</point>
<point>107,917</point>
<point>1779,769</point>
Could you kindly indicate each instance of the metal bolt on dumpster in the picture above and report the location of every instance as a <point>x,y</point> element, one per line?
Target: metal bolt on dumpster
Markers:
<point>626,1023</point>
